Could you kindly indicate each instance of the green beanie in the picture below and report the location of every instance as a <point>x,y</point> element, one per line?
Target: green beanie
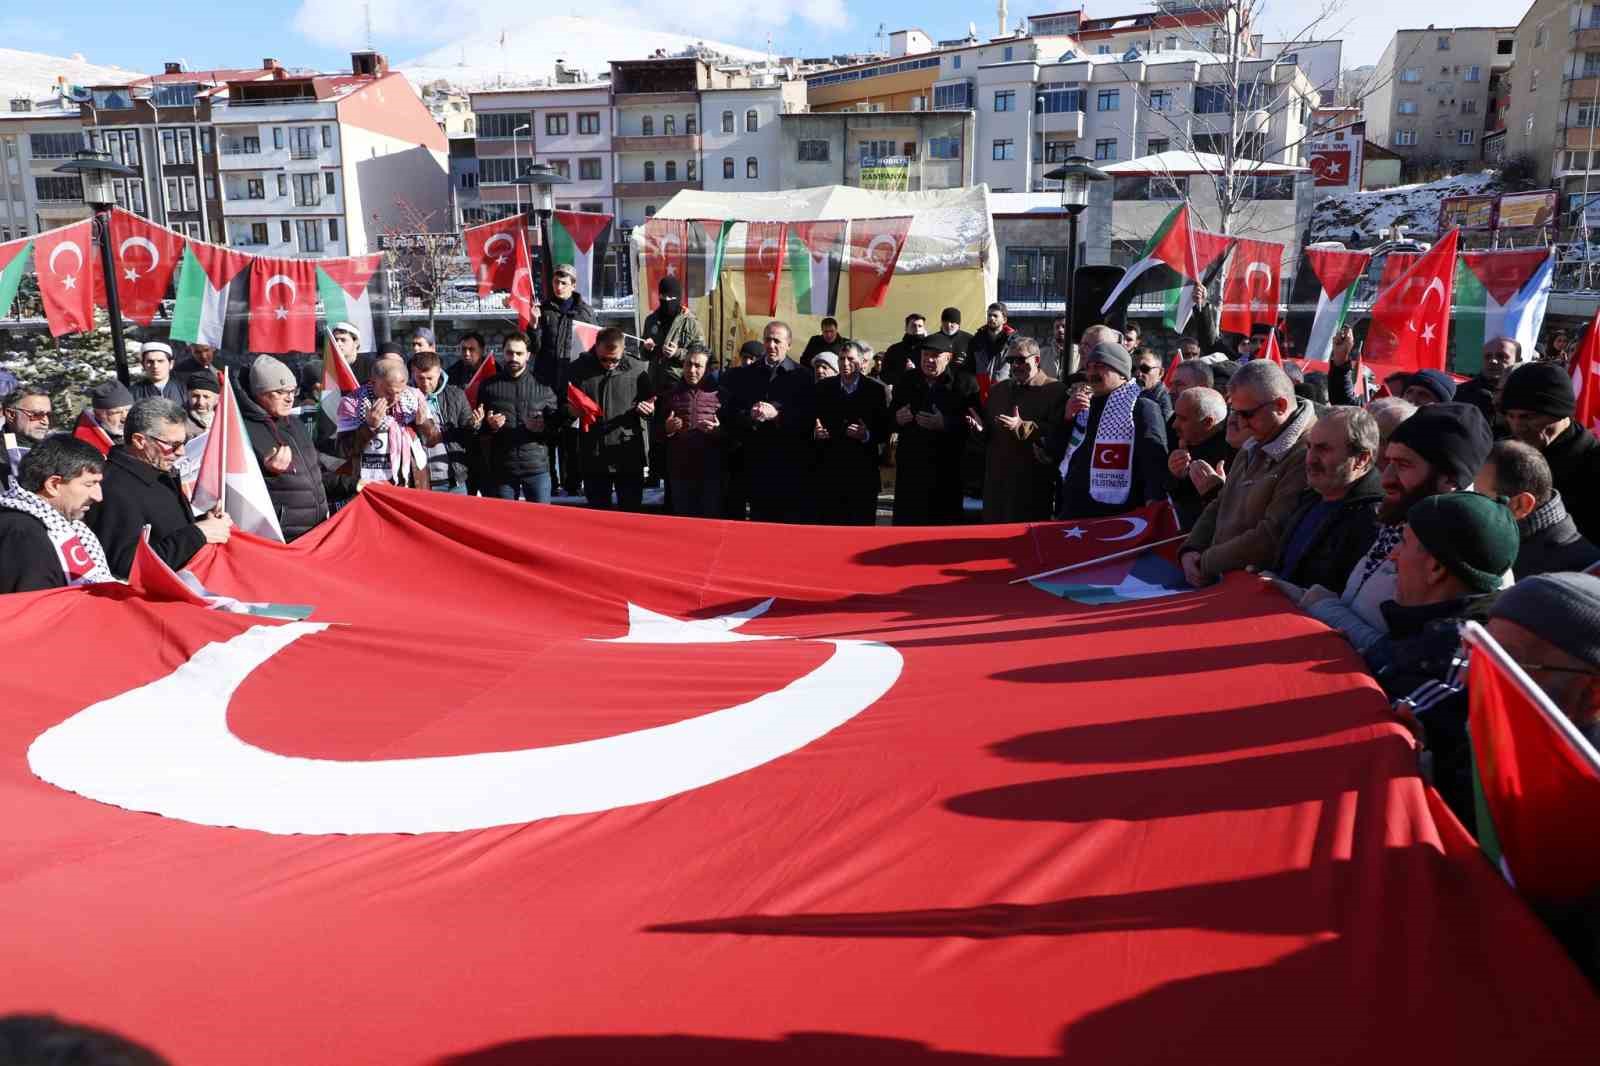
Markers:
<point>1474,537</point>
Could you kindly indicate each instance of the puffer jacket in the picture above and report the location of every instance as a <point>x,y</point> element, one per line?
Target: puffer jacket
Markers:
<point>299,494</point>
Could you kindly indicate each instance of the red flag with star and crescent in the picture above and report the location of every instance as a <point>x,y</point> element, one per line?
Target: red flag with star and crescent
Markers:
<point>1586,378</point>
<point>666,254</point>
<point>145,255</point>
<point>1410,328</point>
<point>763,266</point>
<point>1251,288</point>
<point>64,261</point>
<point>283,305</point>
<point>492,252</point>
<point>875,247</point>
<point>521,298</point>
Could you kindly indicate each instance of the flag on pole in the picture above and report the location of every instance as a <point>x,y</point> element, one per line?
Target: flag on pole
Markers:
<point>1250,291</point>
<point>1269,348</point>
<point>521,298</point>
<point>1211,250</point>
<point>344,287</point>
<point>665,254</point>
<point>337,379</point>
<point>88,430</point>
<point>763,266</point>
<point>283,305</point>
<point>14,259</point>
<point>1500,294</point>
<point>815,250</point>
<point>201,308</point>
<point>487,369</point>
<point>1327,278</point>
<point>875,247</point>
<point>64,261</point>
<point>229,474</point>
<point>1586,378</point>
<point>492,252</point>
<point>580,238</point>
<point>146,256</point>
<point>1410,328</point>
<point>1169,260</point>
<point>586,333</point>
<point>714,249</point>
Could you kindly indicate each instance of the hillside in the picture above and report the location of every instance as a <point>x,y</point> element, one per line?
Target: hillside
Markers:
<point>34,74</point>
<point>1356,218</point>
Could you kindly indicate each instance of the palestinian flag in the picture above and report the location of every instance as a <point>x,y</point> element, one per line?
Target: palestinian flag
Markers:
<point>14,259</point>
<point>230,476</point>
<point>1211,251</point>
<point>1169,261</point>
<point>815,254</point>
<point>338,379</point>
<point>1500,294</point>
<point>342,286</point>
<point>1326,282</point>
<point>202,292</point>
<point>714,250</point>
<point>580,238</point>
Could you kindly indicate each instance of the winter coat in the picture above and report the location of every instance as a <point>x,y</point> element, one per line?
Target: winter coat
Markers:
<point>448,460</point>
<point>1158,395</point>
<point>986,353</point>
<point>1480,393</point>
<point>1574,459</point>
<point>847,470</point>
<point>1422,641</point>
<point>1243,526</point>
<point>927,480</point>
<point>620,439</point>
<point>28,561</point>
<point>694,454</point>
<point>1149,461</point>
<point>818,344</point>
<point>1341,540</point>
<point>299,494</point>
<point>1186,499</point>
<point>558,344</point>
<point>514,451</point>
<point>1018,485</point>
<point>172,389</point>
<point>1551,542</point>
<point>776,452</point>
<point>900,360</point>
<point>135,494</point>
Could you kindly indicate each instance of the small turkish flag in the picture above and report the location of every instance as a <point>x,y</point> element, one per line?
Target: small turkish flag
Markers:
<point>63,261</point>
<point>521,299</point>
<point>486,370</point>
<point>1586,378</point>
<point>145,256</point>
<point>492,253</point>
<point>587,410</point>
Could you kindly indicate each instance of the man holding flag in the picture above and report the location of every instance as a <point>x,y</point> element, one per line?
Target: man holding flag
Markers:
<point>290,464</point>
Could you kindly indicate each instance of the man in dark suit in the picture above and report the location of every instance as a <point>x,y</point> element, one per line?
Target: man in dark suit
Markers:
<point>852,422</point>
<point>771,406</point>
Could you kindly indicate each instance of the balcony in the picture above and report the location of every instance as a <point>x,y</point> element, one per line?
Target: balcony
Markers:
<point>651,190</point>
<point>654,99</point>
<point>1588,38</point>
<point>681,142</point>
<point>1055,125</point>
<point>1582,137</point>
<point>1583,88</point>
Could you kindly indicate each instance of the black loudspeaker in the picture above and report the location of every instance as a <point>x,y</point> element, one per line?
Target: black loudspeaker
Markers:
<point>1090,287</point>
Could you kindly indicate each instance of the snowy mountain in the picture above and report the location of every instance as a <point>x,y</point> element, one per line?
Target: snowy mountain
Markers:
<point>34,74</point>
<point>1357,218</point>
<point>529,52</point>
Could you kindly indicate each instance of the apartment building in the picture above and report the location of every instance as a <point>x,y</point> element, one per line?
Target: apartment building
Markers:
<point>909,151</point>
<point>567,127</point>
<point>743,138</point>
<point>1430,100</point>
<point>321,164</point>
<point>1552,101</point>
<point>36,136</point>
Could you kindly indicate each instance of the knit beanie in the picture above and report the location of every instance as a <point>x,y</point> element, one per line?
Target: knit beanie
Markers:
<point>1472,536</point>
<point>1113,355</point>
<point>1561,608</point>
<point>202,381</point>
<point>109,395</point>
<point>1442,385</point>
<point>951,315</point>
<point>269,375</point>
<point>670,288</point>
<point>1452,437</point>
<point>1543,388</point>
<point>827,359</point>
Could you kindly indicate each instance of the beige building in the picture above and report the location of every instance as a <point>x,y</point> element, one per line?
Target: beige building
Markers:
<point>35,138</point>
<point>1553,99</point>
<point>1430,101</point>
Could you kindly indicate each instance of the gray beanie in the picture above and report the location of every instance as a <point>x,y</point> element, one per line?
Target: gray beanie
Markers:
<point>269,375</point>
<point>827,358</point>
<point>1113,355</point>
<point>109,395</point>
<point>1561,608</point>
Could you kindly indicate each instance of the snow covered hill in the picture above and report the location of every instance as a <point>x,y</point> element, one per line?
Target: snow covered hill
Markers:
<point>1357,218</point>
<point>530,52</point>
<point>33,74</point>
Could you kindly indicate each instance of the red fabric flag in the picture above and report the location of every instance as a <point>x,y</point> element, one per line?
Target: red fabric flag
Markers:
<point>1586,378</point>
<point>794,866</point>
<point>88,430</point>
<point>587,410</point>
<point>763,266</point>
<point>492,252</point>
<point>1251,287</point>
<point>522,296</point>
<point>283,305</point>
<point>153,579</point>
<point>586,333</point>
<point>145,256</point>
<point>1269,348</point>
<point>666,254</point>
<point>487,369</point>
<point>875,247</point>
<point>1395,264</point>
<point>64,261</point>
<point>1410,328</point>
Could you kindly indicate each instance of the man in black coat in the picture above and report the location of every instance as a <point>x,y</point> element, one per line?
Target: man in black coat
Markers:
<point>297,481</point>
<point>771,407</point>
<point>960,339</point>
<point>614,426</point>
<point>852,423</point>
<point>829,340</point>
<point>1500,357</point>
<point>1200,425</point>
<point>1110,368</point>
<point>141,489</point>
<point>1549,541</point>
<point>1337,519</point>
<point>903,358</point>
<point>986,352</point>
<point>43,541</point>
<point>519,420</point>
<point>558,346</point>
<point>1538,403</point>
<point>930,415</point>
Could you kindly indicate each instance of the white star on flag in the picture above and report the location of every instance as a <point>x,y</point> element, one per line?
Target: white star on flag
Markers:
<point>131,274</point>
<point>280,312</point>
<point>1427,333</point>
<point>1334,166</point>
<point>69,282</point>
<point>1075,533</point>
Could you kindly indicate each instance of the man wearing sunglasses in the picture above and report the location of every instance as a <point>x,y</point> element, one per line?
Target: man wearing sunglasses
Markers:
<point>1017,485</point>
<point>27,422</point>
<point>140,489</point>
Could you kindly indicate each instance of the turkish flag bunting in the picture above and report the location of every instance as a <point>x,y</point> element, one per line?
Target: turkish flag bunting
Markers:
<point>145,255</point>
<point>1410,328</point>
<point>64,261</point>
<point>587,410</point>
<point>492,252</point>
<point>1251,287</point>
<point>666,254</point>
<point>763,266</point>
<point>875,247</point>
<point>521,298</point>
<point>1586,378</point>
<point>283,305</point>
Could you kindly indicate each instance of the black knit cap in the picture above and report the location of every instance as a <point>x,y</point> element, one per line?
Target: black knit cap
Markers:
<point>1452,437</point>
<point>1543,388</point>
<point>753,350</point>
<point>1474,537</point>
<point>202,381</point>
<point>951,314</point>
<point>669,288</point>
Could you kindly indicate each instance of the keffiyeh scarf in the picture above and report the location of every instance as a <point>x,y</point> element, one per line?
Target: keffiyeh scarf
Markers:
<point>1111,464</point>
<point>83,561</point>
<point>395,450</point>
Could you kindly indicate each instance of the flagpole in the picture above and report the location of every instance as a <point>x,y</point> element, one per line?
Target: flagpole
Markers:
<point>1479,639</point>
<point>222,477</point>
<point>1102,559</point>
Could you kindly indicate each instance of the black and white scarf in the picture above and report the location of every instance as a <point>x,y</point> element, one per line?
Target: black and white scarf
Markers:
<point>83,561</point>
<point>1111,462</point>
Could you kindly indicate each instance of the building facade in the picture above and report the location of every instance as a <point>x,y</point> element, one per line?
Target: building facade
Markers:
<point>35,138</point>
<point>567,127</point>
<point>1552,102</point>
<point>742,139</point>
<point>656,145</point>
<point>1430,100</point>
<point>908,151</point>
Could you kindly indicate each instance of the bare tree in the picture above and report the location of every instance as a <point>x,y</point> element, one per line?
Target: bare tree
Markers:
<point>421,261</point>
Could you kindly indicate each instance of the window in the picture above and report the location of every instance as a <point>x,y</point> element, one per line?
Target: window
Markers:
<point>1444,44</point>
<point>752,169</point>
<point>1057,97</point>
<point>1252,145</point>
<point>1004,149</point>
<point>1472,74</point>
<point>254,189</point>
<point>310,234</point>
<point>752,121</point>
<point>1212,143</point>
<point>588,170</point>
<point>727,122</point>
<point>169,148</point>
<point>54,145</point>
<point>650,211</point>
<point>1504,48</point>
<point>562,167</point>
<point>1533,82</point>
<point>813,152</point>
<point>1411,74</point>
<point>1157,145</point>
<point>593,209</point>
<point>469,180</point>
<point>689,170</point>
<point>175,95</point>
<point>1469,107</point>
<point>1405,138</point>
<point>186,146</point>
<point>669,126</point>
<point>277,137</point>
<point>119,192</point>
<point>333,229</point>
<point>727,167</point>
<point>1005,100</point>
<point>589,122</point>
<point>691,125</point>
<point>1145,187</point>
<point>205,142</point>
<point>503,124</point>
<point>944,147</point>
<point>1007,54</point>
<point>1465,137</point>
<point>1161,100</point>
<point>283,185</point>
<point>258,233</point>
<point>1108,100</point>
<point>956,96</point>
<point>555,125</point>
<point>1252,97</point>
<point>1058,151</point>
<point>1406,107</point>
<point>303,142</point>
<point>1210,99</point>
<point>955,63</point>
<point>191,194</point>
<point>493,171</point>
<point>672,170</point>
<point>136,195</point>
<point>468,126</point>
<point>286,231</point>
<point>112,100</point>
<point>650,171</point>
<point>1268,187</point>
<point>327,182</point>
<point>327,136</point>
<point>307,190</point>
<point>1106,149</point>
<point>1538,37</point>
<point>647,126</point>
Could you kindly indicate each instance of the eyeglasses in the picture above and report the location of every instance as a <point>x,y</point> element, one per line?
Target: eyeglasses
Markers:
<point>1245,414</point>
<point>1149,370</point>
<point>1016,360</point>
<point>167,447</point>
<point>31,416</point>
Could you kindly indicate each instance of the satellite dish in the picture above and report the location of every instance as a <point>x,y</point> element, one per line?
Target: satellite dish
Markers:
<point>972,29</point>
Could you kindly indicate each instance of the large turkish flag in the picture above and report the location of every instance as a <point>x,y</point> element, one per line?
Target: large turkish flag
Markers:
<point>927,816</point>
<point>145,256</point>
<point>283,305</point>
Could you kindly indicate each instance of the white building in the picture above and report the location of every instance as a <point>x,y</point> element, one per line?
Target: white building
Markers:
<point>564,126</point>
<point>35,138</point>
<point>743,135</point>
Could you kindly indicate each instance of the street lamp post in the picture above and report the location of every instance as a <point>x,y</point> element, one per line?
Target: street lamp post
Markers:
<point>516,162</point>
<point>543,180</point>
<point>1075,176</point>
<point>97,169</point>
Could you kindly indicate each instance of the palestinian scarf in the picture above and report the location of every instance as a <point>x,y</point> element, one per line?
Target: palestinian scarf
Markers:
<point>395,449</point>
<point>83,561</point>
<point>1111,462</point>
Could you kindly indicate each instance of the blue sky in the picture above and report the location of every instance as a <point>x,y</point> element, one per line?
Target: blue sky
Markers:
<point>320,32</point>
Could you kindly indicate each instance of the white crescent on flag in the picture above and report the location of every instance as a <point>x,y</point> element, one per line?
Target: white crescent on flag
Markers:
<point>881,266</point>
<point>281,279</point>
<point>62,247</point>
<point>1136,527</point>
<point>761,256</point>
<point>1258,267</point>
<point>522,274</point>
<point>141,242</point>
<point>490,245</point>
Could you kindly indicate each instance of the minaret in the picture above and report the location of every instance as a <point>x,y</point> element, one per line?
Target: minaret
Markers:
<point>1002,12</point>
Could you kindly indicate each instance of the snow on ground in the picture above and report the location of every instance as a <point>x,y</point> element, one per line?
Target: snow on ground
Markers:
<point>34,74</point>
<point>1357,218</point>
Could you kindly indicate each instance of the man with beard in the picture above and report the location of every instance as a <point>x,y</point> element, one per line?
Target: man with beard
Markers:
<point>960,339</point>
<point>517,419</point>
<point>905,355</point>
<point>1436,450</point>
<point>694,468</point>
<point>44,543</point>
<point>1500,356</point>
<point>100,424</point>
<point>1538,402</point>
<point>27,422</point>
<point>1121,463</point>
<point>558,347</point>
<point>986,355</point>
<point>201,405</point>
<point>1337,519</point>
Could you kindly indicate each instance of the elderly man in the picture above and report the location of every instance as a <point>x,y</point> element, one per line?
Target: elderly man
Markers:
<point>1538,403</point>
<point>1022,408</point>
<point>825,365</point>
<point>156,359</point>
<point>1200,449</point>
<point>456,420</point>
<point>1516,473</point>
<point>1337,519</point>
<point>1390,411</point>
<point>296,481</point>
<point>473,353</point>
<point>423,340</point>
<point>1500,355</point>
<point>140,489</point>
<point>43,541</point>
<point>930,416</point>
<point>200,356</point>
<point>1243,525</point>
<point>519,419</point>
<point>1148,371</point>
<point>385,426</point>
<point>1186,374</point>
<point>771,406</point>
<point>950,326</point>
<point>27,424</point>
<point>201,407</point>
<point>101,423</point>
<point>614,445</point>
<point>689,419</point>
<point>1121,463</point>
<point>852,422</point>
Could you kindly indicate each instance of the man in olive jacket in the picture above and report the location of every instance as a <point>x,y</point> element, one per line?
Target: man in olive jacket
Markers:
<point>614,423</point>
